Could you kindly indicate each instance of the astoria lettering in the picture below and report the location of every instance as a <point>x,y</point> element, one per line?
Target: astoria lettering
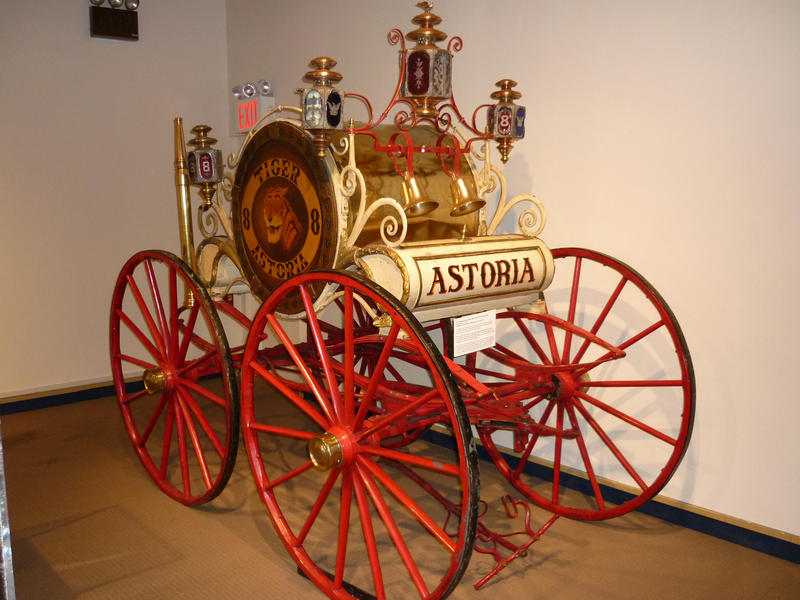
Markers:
<point>276,269</point>
<point>485,275</point>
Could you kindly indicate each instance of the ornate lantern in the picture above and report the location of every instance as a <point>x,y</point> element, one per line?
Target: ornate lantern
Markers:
<point>322,103</point>
<point>204,163</point>
<point>506,119</point>
<point>426,80</point>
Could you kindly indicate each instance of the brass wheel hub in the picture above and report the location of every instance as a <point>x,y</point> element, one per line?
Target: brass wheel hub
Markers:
<point>325,451</point>
<point>154,380</point>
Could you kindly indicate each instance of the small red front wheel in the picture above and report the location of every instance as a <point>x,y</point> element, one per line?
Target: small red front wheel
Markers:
<point>174,377</point>
<point>353,509</point>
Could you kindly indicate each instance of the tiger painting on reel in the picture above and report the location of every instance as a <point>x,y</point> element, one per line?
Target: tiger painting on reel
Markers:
<point>284,228</point>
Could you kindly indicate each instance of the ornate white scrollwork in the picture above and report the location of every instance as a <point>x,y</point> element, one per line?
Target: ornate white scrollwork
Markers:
<point>211,217</point>
<point>532,220</point>
<point>392,231</point>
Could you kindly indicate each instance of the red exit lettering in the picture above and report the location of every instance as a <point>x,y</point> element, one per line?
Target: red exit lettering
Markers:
<point>248,114</point>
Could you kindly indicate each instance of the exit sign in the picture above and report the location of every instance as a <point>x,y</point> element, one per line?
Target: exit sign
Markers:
<point>247,112</point>
<point>246,115</point>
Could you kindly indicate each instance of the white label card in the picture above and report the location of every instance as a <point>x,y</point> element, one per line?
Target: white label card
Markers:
<point>474,332</point>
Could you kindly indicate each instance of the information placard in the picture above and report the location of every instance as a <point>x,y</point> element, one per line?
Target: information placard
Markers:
<point>474,332</point>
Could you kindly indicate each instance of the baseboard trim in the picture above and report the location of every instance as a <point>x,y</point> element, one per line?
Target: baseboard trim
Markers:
<point>28,402</point>
<point>750,535</point>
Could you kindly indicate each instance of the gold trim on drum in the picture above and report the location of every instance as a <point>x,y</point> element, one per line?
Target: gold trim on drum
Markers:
<point>388,252</point>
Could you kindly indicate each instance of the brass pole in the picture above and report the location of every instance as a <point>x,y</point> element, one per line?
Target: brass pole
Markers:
<point>182,190</point>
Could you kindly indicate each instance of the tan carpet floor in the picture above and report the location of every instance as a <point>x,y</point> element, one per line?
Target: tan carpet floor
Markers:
<point>87,522</point>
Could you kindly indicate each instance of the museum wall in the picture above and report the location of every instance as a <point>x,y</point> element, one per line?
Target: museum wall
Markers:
<point>664,134</point>
<point>86,170</point>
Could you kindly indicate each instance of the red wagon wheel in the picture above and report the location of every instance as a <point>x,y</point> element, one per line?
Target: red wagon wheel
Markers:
<point>619,425</point>
<point>358,515</point>
<point>179,404</point>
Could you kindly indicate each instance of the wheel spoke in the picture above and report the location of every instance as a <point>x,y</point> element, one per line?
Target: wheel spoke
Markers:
<point>188,332</point>
<point>533,342</point>
<point>183,451</point>
<point>573,300</point>
<point>391,527</point>
<point>171,422</point>
<point>533,402</point>
<point>369,538</point>
<point>155,294</point>
<point>598,496</point>
<point>173,309</point>
<point>407,501</point>
<point>203,392</point>
<point>135,361</point>
<point>632,340</point>
<point>290,475</point>
<point>145,311</point>
<point>282,431</point>
<point>193,438</point>
<point>601,318</point>
<point>411,459</point>
<point>304,406</point>
<point>154,352</point>
<point>508,352</point>
<point>203,421</point>
<point>557,454</point>
<point>344,528</point>
<point>377,376</point>
<point>349,353</point>
<point>322,350</point>
<point>647,383</point>
<point>316,388</point>
<point>611,446</point>
<point>397,414</point>
<point>195,363</point>
<point>627,418</point>
<point>394,372</point>
<point>134,397</point>
<point>318,504</point>
<point>551,340</point>
<point>153,420</point>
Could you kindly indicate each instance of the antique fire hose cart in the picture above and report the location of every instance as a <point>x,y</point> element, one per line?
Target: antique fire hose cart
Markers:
<point>395,327</point>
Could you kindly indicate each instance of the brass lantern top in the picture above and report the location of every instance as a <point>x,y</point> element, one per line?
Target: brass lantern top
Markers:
<point>322,73</point>
<point>426,35</point>
<point>505,93</point>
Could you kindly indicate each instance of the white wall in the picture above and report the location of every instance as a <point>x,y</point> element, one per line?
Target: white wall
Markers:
<point>86,169</point>
<point>664,134</point>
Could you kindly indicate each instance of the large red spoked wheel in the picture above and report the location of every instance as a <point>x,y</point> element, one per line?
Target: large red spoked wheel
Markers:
<point>619,425</point>
<point>180,403</point>
<point>358,515</point>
